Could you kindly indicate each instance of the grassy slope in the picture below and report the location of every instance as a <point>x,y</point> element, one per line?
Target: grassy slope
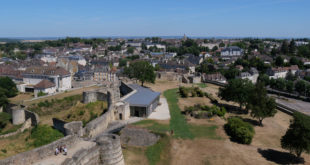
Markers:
<point>177,122</point>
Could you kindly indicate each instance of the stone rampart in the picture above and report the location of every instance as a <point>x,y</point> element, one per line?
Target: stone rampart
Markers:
<point>33,116</point>
<point>32,156</point>
<point>59,125</point>
<point>26,125</point>
<point>99,124</point>
<point>74,128</point>
<point>107,151</point>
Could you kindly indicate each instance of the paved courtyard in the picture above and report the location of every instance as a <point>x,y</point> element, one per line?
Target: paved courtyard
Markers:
<point>161,112</point>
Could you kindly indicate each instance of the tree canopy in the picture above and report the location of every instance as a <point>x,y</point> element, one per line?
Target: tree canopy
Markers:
<point>141,70</point>
<point>261,104</point>
<point>7,89</point>
<point>297,137</point>
<point>237,90</point>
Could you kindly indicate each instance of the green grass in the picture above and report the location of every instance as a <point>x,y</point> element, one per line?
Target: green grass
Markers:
<point>201,85</point>
<point>204,131</point>
<point>155,152</point>
<point>44,134</point>
<point>153,126</point>
<point>177,122</point>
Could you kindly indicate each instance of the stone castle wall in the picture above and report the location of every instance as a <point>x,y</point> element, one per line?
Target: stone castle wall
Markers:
<point>107,151</point>
<point>32,156</point>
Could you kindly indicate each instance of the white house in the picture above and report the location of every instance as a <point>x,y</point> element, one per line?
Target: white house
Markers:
<point>159,46</point>
<point>44,86</point>
<point>48,58</point>
<point>231,51</point>
<point>57,75</point>
<point>281,72</point>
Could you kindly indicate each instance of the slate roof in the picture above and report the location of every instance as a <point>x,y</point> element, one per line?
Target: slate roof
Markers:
<point>44,84</point>
<point>143,97</point>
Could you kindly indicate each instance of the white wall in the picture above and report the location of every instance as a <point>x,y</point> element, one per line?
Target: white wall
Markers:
<point>65,83</point>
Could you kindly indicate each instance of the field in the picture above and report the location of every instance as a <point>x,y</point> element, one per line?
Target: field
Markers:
<point>204,141</point>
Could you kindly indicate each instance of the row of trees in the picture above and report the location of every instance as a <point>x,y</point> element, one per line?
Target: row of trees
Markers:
<point>252,97</point>
<point>188,46</point>
<point>289,84</point>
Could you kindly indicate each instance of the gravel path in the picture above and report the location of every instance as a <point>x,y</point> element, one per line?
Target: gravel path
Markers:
<point>161,112</point>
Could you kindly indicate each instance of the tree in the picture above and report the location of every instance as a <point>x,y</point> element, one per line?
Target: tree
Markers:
<point>279,61</point>
<point>280,84</point>
<point>141,70</point>
<point>292,47</point>
<point>300,86</point>
<point>222,45</point>
<point>294,61</point>
<point>285,47</point>
<point>263,78</point>
<point>3,98</point>
<point>9,86</point>
<point>289,86</point>
<point>130,50</point>
<point>297,137</point>
<point>290,76</point>
<point>261,105</point>
<point>237,90</point>
<point>231,73</point>
<point>215,48</point>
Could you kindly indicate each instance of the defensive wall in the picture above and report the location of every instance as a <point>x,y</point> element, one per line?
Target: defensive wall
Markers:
<point>107,150</point>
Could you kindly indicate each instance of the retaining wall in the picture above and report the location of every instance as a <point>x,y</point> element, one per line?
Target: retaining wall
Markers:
<point>97,125</point>
<point>59,125</point>
<point>26,125</point>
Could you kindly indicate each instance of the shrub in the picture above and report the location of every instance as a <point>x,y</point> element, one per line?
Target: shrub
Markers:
<point>41,94</point>
<point>4,119</point>
<point>81,113</point>
<point>183,92</point>
<point>44,134</point>
<point>221,112</point>
<point>239,131</point>
<point>200,93</point>
<point>4,150</point>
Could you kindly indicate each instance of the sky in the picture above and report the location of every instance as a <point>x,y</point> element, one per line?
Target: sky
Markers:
<point>200,18</point>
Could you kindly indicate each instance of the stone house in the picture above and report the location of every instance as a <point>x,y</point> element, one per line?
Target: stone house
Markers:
<point>57,75</point>
<point>44,86</point>
<point>218,77</point>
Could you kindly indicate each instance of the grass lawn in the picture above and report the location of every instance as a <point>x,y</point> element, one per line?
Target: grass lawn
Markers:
<point>177,121</point>
<point>201,85</point>
<point>153,126</point>
<point>159,151</point>
<point>204,131</point>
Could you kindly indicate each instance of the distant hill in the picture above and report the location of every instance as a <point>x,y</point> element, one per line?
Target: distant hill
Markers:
<point>9,40</point>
